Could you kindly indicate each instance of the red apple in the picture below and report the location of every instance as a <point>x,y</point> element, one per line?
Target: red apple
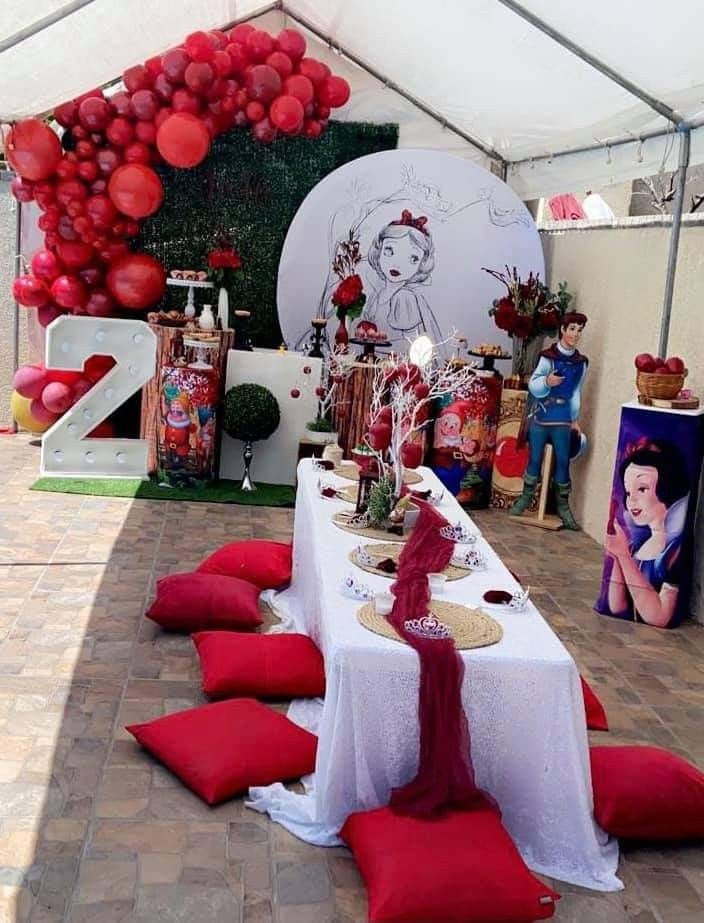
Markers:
<point>645,362</point>
<point>662,370</point>
<point>675,365</point>
<point>509,460</point>
<point>659,363</point>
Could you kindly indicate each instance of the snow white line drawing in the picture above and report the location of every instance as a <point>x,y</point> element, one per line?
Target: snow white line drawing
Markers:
<point>401,254</point>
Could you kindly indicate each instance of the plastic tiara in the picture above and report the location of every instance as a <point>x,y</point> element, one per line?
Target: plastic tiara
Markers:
<point>351,587</point>
<point>519,600</point>
<point>428,627</point>
<point>458,533</point>
<point>363,556</point>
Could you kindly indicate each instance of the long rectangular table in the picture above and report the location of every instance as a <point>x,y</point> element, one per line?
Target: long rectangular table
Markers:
<point>522,697</point>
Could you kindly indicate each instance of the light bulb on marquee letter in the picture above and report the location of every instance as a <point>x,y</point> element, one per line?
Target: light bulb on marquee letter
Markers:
<point>70,341</point>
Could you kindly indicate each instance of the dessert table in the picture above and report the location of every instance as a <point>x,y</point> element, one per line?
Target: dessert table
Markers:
<point>522,697</point>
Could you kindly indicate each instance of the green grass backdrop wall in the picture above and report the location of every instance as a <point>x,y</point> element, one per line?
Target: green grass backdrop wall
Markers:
<point>251,191</point>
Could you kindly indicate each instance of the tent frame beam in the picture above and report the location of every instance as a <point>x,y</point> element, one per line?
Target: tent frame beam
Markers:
<point>660,107</point>
<point>678,204</point>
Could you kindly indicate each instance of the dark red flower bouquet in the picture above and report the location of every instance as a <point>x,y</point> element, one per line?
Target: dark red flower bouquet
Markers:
<point>348,297</point>
<point>224,262</point>
<point>529,309</point>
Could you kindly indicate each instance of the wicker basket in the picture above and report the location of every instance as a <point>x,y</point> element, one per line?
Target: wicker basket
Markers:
<point>662,387</point>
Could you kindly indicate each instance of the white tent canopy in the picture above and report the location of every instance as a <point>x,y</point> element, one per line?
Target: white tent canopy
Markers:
<point>478,65</point>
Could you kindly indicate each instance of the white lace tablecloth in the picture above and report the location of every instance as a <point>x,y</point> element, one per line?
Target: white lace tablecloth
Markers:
<point>522,697</point>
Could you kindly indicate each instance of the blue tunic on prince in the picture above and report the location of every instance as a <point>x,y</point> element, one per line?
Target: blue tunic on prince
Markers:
<point>555,409</point>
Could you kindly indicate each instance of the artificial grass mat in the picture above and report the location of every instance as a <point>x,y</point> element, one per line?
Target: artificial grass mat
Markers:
<point>216,492</point>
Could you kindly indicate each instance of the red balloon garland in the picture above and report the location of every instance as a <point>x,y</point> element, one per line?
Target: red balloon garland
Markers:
<point>95,192</point>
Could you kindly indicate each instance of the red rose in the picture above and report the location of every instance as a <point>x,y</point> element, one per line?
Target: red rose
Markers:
<point>523,326</point>
<point>224,259</point>
<point>505,316</point>
<point>348,292</point>
<point>548,318</point>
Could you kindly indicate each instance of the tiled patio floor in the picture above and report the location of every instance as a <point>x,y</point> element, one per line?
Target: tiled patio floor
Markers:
<point>91,830</point>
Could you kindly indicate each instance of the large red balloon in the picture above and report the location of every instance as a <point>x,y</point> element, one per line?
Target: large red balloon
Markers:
<point>286,113</point>
<point>292,43</point>
<point>32,149</point>
<point>136,190</point>
<point>137,281</point>
<point>183,140</point>
<point>263,83</point>
<point>334,92</point>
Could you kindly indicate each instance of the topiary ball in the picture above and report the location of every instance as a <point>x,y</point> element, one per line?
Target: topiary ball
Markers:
<point>251,412</point>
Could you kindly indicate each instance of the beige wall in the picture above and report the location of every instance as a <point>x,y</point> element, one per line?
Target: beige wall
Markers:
<point>618,277</point>
<point>7,305</point>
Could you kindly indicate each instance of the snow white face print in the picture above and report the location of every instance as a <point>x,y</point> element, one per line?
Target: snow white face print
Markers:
<point>406,233</point>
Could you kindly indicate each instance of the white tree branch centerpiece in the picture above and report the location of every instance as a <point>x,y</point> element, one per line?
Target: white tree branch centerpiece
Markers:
<point>403,398</point>
<point>336,367</point>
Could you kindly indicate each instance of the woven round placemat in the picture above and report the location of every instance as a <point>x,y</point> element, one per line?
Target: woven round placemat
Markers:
<point>469,627</point>
<point>348,494</point>
<point>350,471</point>
<point>394,551</point>
<point>381,535</point>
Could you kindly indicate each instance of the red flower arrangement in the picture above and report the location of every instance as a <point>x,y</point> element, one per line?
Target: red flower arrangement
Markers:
<point>529,309</point>
<point>224,262</point>
<point>348,297</point>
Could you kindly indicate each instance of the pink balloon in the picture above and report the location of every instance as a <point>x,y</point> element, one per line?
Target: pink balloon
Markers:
<point>41,414</point>
<point>30,380</point>
<point>56,397</point>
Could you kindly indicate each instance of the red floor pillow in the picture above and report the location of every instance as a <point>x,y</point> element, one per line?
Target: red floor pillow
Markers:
<point>195,602</point>
<point>265,666</point>
<point>593,709</point>
<point>645,793</point>
<point>220,750</point>
<point>266,564</point>
<point>460,868</point>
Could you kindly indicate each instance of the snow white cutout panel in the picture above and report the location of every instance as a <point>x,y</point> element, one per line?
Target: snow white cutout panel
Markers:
<point>464,440</point>
<point>648,543</point>
<point>398,240</point>
<point>187,426</point>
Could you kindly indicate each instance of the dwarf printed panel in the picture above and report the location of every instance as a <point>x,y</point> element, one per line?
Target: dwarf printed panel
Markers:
<point>188,424</point>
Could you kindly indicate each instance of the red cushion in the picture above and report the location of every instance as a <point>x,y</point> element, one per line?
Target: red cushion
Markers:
<point>220,750</point>
<point>594,710</point>
<point>460,868</point>
<point>267,564</point>
<point>195,602</point>
<point>645,793</point>
<point>265,666</point>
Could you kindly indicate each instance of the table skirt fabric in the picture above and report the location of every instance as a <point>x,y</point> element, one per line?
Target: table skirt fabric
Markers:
<point>522,698</point>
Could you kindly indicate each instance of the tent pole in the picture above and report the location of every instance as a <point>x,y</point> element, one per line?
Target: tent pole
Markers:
<point>684,133</point>
<point>660,107</point>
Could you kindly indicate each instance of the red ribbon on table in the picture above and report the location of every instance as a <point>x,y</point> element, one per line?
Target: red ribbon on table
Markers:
<point>445,778</point>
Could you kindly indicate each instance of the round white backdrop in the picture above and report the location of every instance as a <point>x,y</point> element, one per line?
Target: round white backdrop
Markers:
<point>424,224</point>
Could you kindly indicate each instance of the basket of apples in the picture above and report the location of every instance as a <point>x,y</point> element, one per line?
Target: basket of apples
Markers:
<point>659,378</point>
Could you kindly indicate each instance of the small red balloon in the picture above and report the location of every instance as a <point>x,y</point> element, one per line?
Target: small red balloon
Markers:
<point>300,87</point>
<point>333,92</point>
<point>145,105</point>
<point>137,152</point>
<point>183,140</point>
<point>38,411</point>
<point>312,128</point>
<point>136,190</point>
<point>314,70</point>
<point>136,78</point>
<point>240,32</point>
<point>174,64</point>
<point>153,65</point>
<point>222,63</point>
<point>281,63</point>
<point>255,111</point>
<point>145,132</point>
<point>30,291</point>
<point>259,44</point>
<point>66,114</point>
<point>100,304</point>
<point>291,43</point>
<point>91,275</point>
<point>101,211</point>
<point>87,170</point>
<point>94,113</point>
<point>264,131</point>
<point>69,292</point>
<point>286,113</point>
<point>32,149</point>
<point>263,83</point>
<point>239,59</point>
<point>199,76</point>
<point>121,104</point>
<point>108,160</point>
<point>56,397</point>
<point>46,266</point>
<point>47,314</point>
<point>163,88</point>
<point>120,131</point>
<point>185,101</point>
<point>199,46</point>
<point>137,281</point>
<point>97,367</point>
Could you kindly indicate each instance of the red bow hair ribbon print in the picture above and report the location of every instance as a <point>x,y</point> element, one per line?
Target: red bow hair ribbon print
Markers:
<point>407,219</point>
